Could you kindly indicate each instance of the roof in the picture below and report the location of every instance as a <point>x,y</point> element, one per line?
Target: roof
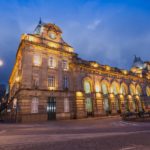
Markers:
<point>53,26</point>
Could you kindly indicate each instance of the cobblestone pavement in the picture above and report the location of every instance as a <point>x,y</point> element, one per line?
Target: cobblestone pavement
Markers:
<point>87,134</point>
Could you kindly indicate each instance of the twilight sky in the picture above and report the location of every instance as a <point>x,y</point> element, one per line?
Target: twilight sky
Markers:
<point>108,31</point>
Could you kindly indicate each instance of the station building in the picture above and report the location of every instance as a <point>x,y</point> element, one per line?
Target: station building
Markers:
<point>50,81</point>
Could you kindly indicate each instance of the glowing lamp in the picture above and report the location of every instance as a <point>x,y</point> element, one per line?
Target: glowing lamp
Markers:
<point>125,72</point>
<point>111,95</point>
<point>17,79</point>
<point>98,95</point>
<point>51,88</point>
<point>79,94</point>
<point>107,68</point>
<point>121,96</point>
<point>1,63</point>
<point>94,64</point>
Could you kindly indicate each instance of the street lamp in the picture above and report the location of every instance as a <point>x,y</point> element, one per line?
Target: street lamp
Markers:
<point>1,63</point>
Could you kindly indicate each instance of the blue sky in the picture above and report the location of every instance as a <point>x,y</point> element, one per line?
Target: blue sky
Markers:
<point>108,31</point>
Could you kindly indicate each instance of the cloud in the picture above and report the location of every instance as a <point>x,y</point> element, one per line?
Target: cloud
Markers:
<point>110,33</point>
<point>94,25</point>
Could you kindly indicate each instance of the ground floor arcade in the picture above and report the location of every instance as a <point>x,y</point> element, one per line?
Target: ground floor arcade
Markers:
<point>30,106</point>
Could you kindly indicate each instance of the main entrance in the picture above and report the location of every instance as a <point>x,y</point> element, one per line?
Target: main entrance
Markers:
<point>51,108</point>
<point>89,106</point>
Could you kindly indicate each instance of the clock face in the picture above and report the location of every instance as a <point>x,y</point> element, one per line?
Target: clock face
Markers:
<point>52,35</point>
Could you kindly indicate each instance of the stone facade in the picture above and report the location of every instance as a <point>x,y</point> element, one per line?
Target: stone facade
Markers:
<point>49,81</point>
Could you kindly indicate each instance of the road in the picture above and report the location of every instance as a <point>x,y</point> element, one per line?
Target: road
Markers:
<point>86,134</point>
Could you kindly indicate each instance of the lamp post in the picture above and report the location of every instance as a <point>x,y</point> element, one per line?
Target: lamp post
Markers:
<point>1,63</point>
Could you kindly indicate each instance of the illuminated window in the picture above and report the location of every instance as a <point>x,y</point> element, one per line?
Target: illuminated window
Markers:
<point>104,88</point>
<point>66,105</point>
<point>37,60</point>
<point>138,90</point>
<point>51,62</point>
<point>65,65</point>
<point>97,88</point>
<point>51,81</point>
<point>87,87</point>
<point>34,105</point>
<point>106,104</point>
<point>132,90</point>
<point>65,82</point>
<point>114,89</point>
<point>123,90</point>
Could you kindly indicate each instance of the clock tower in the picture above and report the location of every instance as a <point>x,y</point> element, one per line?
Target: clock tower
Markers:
<point>49,31</point>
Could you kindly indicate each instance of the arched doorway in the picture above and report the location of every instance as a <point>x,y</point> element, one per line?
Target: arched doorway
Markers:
<point>106,101</point>
<point>115,91</point>
<point>123,97</point>
<point>132,106</point>
<point>88,99</point>
<point>138,98</point>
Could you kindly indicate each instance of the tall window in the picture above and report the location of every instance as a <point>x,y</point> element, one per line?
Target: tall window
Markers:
<point>51,62</point>
<point>114,89</point>
<point>132,89</point>
<point>123,89</point>
<point>138,90</point>
<point>65,82</point>
<point>66,105</point>
<point>87,87</point>
<point>97,87</point>
<point>65,65</point>
<point>51,81</point>
<point>36,81</point>
<point>35,105</point>
<point>37,60</point>
<point>104,88</point>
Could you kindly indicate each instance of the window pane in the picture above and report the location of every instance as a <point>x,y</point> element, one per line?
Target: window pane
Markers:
<point>65,64</point>
<point>51,81</point>
<point>66,105</point>
<point>104,89</point>
<point>34,105</point>
<point>51,62</point>
<point>65,82</point>
<point>37,60</point>
<point>87,87</point>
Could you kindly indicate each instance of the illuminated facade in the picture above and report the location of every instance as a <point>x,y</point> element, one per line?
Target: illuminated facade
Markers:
<point>49,81</point>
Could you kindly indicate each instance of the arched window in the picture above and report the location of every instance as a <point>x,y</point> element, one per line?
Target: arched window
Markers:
<point>97,87</point>
<point>132,89</point>
<point>148,91</point>
<point>123,89</point>
<point>104,88</point>
<point>87,87</point>
<point>114,88</point>
<point>138,90</point>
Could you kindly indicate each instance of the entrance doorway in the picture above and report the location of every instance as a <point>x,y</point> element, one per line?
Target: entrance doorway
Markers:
<point>89,106</point>
<point>51,108</point>
<point>106,105</point>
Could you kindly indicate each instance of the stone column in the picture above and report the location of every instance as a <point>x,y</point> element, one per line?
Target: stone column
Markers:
<point>99,105</point>
<point>122,102</point>
<point>139,103</point>
<point>112,103</point>
<point>80,105</point>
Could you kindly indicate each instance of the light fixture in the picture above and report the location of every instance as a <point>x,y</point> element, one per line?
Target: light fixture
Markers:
<point>1,63</point>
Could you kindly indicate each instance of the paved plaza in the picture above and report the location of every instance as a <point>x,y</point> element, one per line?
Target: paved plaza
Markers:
<point>86,134</point>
